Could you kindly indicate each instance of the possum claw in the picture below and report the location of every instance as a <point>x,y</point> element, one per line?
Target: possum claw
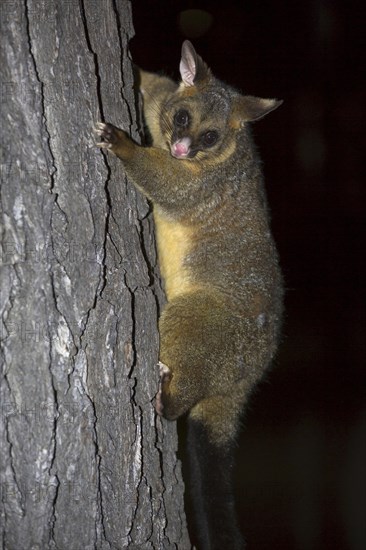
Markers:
<point>107,133</point>
<point>163,371</point>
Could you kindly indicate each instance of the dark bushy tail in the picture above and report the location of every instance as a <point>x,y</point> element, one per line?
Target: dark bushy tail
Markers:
<point>212,492</point>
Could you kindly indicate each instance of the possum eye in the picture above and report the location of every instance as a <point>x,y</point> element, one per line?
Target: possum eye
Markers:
<point>181,118</point>
<point>210,138</point>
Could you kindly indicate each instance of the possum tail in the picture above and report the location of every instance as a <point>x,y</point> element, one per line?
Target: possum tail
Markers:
<point>211,486</point>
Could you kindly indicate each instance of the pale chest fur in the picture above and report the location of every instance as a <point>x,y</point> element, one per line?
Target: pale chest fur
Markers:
<point>174,243</point>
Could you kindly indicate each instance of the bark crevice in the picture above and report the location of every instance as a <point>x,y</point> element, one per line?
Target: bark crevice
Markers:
<point>53,169</point>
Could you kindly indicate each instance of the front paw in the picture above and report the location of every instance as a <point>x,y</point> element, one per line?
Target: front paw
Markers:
<point>114,140</point>
<point>108,135</point>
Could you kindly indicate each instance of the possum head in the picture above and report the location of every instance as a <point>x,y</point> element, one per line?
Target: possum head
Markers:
<point>202,118</point>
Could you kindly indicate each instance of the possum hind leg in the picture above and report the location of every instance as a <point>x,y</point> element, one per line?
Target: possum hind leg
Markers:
<point>197,342</point>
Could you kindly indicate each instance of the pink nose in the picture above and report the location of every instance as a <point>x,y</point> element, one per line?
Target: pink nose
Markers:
<point>180,149</point>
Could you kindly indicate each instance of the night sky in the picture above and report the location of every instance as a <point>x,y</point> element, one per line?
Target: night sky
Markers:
<point>301,475</point>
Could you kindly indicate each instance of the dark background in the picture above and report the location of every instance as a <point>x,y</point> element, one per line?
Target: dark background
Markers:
<point>301,481</point>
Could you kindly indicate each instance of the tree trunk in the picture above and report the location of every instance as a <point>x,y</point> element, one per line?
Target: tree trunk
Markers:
<point>85,462</point>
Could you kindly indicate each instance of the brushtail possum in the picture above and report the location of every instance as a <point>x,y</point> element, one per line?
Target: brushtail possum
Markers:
<point>220,327</point>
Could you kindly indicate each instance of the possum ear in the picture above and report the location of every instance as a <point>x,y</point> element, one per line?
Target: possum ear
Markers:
<point>249,108</point>
<point>192,67</point>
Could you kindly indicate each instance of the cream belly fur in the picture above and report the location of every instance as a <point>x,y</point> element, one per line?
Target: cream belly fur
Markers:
<point>174,241</point>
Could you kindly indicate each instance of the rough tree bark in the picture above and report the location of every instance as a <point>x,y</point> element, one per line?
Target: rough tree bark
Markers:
<point>85,462</point>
